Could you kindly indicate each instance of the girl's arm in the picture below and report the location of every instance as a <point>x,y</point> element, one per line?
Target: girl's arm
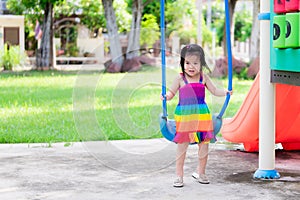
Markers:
<point>173,89</point>
<point>213,89</point>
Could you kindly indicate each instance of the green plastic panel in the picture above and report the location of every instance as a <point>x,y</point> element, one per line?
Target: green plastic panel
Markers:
<point>279,30</point>
<point>285,45</point>
<point>292,30</point>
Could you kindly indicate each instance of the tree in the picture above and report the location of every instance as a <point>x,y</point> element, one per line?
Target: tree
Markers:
<point>180,14</point>
<point>134,34</point>
<point>112,29</point>
<point>217,21</point>
<point>123,16</point>
<point>232,4</point>
<point>91,13</point>
<point>243,25</point>
<point>182,21</point>
<point>45,55</point>
<point>254,41</point>
<point>135,28</point>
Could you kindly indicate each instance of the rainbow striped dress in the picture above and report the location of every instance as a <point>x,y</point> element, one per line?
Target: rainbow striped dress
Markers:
<point>192,116</point>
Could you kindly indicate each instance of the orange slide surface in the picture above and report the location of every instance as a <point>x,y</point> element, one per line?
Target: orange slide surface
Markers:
<point>244,126</point>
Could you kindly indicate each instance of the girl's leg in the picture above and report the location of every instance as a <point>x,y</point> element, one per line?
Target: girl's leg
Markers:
<point>202,157</point>
<point>180,157</point>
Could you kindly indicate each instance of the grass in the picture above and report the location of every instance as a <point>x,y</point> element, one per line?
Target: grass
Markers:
<point>57,106</point>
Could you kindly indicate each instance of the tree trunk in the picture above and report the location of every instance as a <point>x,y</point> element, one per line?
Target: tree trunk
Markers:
<point>134,34</point>
<point>45,53</point>
<point>232,4</point>
<point>112,28</point>
<point>254,41</point>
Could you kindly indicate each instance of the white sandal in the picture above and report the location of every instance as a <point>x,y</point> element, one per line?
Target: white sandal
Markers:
<point>201,179</point>
<point>178,182</point>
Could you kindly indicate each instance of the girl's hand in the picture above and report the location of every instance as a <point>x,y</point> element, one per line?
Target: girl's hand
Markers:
<point>229,92</point>
<point>168,96</point>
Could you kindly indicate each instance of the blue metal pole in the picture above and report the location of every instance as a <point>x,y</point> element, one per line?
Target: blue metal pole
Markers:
<point>229,56</point>
<point>163,55</point>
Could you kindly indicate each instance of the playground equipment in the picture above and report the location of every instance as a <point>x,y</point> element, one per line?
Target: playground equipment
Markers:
<point>256,119</point>
<point>285,45</point>
<point>285,68</point>
<point>168,126</point>
<point>244,126</point>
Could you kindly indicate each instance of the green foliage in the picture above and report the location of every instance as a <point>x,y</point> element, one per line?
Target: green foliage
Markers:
<point>31,14</point>
<point>92,15</point>
<point>206,34</point>
<point>39,4</point>
<point>10,57</point>
<point>150,30</point>
<point>16,6</point>
<point>31,7</point>
<point>66,8</point>
<point>242,75</point>
<point>71,50</point>
<point>123,17</point>
<point>217,20</point>
<point>243,25</point>
<point>181,17</point>
<point>5,59</point>
<point>153,8</point>
<point>178,14</point>
<point>69,37</point>
<point>186,35</point>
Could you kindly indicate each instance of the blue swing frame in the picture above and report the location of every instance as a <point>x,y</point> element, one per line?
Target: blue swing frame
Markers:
<point>168,126</point>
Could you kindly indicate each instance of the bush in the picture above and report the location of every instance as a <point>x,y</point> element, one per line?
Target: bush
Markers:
<point>150,30</point>
<point>10,57</point>
<point>242,75</point>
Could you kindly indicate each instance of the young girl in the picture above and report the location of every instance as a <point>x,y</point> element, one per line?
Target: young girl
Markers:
<point>193,119</point>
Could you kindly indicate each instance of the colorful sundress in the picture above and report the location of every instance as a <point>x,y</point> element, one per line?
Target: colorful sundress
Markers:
<point>192,116</point>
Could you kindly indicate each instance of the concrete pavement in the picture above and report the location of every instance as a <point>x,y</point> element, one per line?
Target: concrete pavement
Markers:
<point>137,169</point>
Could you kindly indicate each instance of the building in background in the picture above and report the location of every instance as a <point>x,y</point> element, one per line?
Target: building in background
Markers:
<point>11,28</point>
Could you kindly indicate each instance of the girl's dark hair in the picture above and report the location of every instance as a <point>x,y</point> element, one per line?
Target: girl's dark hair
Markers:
<point>192,49</point>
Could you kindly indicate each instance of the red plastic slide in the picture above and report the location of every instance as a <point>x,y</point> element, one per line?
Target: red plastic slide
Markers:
<point>243,127</point>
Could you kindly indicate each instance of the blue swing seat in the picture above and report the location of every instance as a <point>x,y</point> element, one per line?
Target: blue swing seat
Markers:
<point>167,127</point>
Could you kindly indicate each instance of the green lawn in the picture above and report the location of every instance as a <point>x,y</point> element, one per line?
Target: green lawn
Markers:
<point>69,106</point>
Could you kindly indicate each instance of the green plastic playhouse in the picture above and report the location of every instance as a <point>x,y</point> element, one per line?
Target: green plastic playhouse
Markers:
<point>285,41</point>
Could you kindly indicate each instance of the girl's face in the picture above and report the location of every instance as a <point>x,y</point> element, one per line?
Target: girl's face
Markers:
<point>192,65</point>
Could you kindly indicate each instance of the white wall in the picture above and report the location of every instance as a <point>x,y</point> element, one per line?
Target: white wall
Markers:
<point>12,21</point>
<point>92,45</point>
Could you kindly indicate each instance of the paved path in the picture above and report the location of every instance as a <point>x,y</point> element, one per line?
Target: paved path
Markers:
<point>136,169</point>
